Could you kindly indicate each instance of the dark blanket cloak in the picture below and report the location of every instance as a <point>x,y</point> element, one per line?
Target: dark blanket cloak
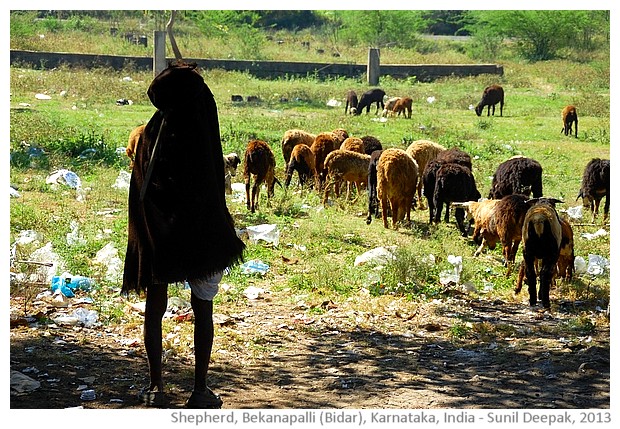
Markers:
<point>182,229</point>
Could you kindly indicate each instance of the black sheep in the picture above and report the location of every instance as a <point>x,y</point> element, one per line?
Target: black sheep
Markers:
<point>595,186</point>
<point>490,97</point>
<point>454,183</point>
<point>371,96</point>
<point>373,201</point>
<point>517,175</point>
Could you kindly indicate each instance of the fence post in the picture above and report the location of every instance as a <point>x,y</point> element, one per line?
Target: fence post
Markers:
<point>373,69</point>
<point>159,52</point>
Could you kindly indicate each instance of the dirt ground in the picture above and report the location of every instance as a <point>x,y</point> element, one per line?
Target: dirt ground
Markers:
<point>269,353</point>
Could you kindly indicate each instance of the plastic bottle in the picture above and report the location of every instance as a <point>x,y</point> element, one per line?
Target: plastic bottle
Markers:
<point>67,284</point>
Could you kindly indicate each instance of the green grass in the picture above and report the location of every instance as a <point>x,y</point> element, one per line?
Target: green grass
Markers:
<point>322,242</point>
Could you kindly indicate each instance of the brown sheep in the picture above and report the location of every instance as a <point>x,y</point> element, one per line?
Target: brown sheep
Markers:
<point>351,102</point>
<point>569,115</point>
<point>397,176</point>
<point>389,106</point>
<point>353,144</point>
<point>490,97</point>
<point>132,144</point>
<point>481,213</point>
<point>565,266</point>
<point>542,237</point>
<point>422,151</point>
<point>302,161</point>
<point>260,162</point>
<point>371,144</point>
<point>323,144</point>
<point>345,166</point>
<point>231,162</point>
<point>403,106</point>
<point>341,135</point>
<point>292,138</point>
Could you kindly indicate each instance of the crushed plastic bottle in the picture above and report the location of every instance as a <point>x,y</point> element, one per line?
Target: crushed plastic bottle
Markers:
<point>68,283</point>
<point>254,267</point>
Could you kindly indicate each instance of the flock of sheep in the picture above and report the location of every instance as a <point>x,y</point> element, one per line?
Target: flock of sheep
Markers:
<point>514,211</point>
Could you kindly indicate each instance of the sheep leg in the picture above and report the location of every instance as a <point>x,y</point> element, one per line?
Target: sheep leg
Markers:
<point>459,214</point>
<point>606,209</point>
<point>520,277</point>
<point>546,278</point>
<point>530,278</point>
<point>255,195</point>
<point>384,211</point>
<point>247,194</point>
<point>328,185</point>
<point>396,210</point>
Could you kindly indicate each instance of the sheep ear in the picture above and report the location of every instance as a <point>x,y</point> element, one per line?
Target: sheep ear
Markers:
<point>580,195</point>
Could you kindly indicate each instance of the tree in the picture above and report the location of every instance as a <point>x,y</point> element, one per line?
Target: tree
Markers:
<point>382,27</point>
<point>539,34</point>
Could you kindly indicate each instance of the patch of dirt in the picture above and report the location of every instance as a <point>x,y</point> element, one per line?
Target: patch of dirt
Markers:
<point>457,352</point>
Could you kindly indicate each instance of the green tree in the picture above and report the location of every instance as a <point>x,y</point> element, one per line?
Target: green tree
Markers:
<point>379,28</point>
<point>540,34</point>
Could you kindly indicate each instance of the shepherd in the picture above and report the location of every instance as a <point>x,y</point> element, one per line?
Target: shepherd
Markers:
<point>179,227</point>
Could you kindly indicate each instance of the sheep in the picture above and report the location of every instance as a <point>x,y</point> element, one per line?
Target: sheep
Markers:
<point>368,98</point>
<point>517,175</point>
<point>452,155</point>
<point>565,266</point>
<point>341,135</point>
<point>403,106</point>
<point>594,186</point>
<point>231,162</point>
<point>397,176</point>
<point>542,237</point>
<point>351,102</point>
<point>345,165</point>
<point>490,97</point>
<point>132,144</point>
<point>371,144</point>
<point>302,161</point>
<point>481,214</point>
<point>373,202</point>
<point>293,137</point>
<point>569,115</point>
<point>389,106</point>
<point>354,144</point>
<point>323,144</point>
<point>454,182</point>
<point>422,151</point>
<point>260,162</point>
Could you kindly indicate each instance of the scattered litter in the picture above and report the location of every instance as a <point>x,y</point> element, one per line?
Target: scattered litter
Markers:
<point>597,265</point>
<point>254,267</point>
<point>108,257</point>
<point>123,102</point>
<point>87,153</point>
<point>575,213</point>
<point>88,318</point>
<point>13,192</point>
<point>88,395</point>
<point>430,100</point>
<point>253,292</point>
<point>74,238</point>
<point>580,265</point>
<point>122,180</point>
<point>42,97</point>
<point>334,103</point>
<point>447,277</point>
<point>471,107</point>
<point>378,256</point>
<point>266,232</point>
<point>600,233</point>
<point>381,119</point>
<point>64,177</point>
<point>68,283</point>
<point>127,79</point>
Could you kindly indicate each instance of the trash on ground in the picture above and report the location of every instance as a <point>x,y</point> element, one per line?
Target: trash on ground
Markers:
<point>68,284</point>
<point>254,266</point>
<point>377,256</point>
<point>14,193</point>
<point>253,292</point>
<point>21,384</point>
<point>575,213</point>
<point>597,265</point>
<point>591,236</point>
<point>74,238</point>
<point>333,103</point>
<point>122,181</point>
<point>447,277</point>
<point>108,257</point>
<point>42,97</point>
<point>266,232</point>
<point>64,177</point>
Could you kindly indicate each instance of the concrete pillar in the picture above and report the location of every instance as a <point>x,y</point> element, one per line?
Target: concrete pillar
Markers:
<point>373,69</point>
<point>159,52</point>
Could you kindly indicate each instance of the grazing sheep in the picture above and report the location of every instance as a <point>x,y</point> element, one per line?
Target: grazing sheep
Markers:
<point>351,102</point>
<point>403,106</point>
<point>231,162</point>
<point>345,166</point>
<point>422,151</point>
<point>397,176</point>
<point>569,115</point>
<point>368,98</point>
<point>292,138</point>
<point>373,202</point>
<point>490,97</point>
<point>595,186</point>
<point>454,182</point>
<point>341,135</point>
<point>389,106</point>
<point>371,144</point>
<point>302,161</point>
<point>517,175</point>
<point>481,214</point>
<point>455,155</point>
<point>323,144</point>
<point>354,144</point>
<point>542,236</point>
<point>260,162</point>
<point>132,144</point>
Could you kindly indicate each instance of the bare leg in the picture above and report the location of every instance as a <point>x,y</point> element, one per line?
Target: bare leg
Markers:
<point>156,303</point>
<point>203,340</point>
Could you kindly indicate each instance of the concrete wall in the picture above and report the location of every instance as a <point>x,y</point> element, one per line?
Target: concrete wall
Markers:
<point>262,69</point>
